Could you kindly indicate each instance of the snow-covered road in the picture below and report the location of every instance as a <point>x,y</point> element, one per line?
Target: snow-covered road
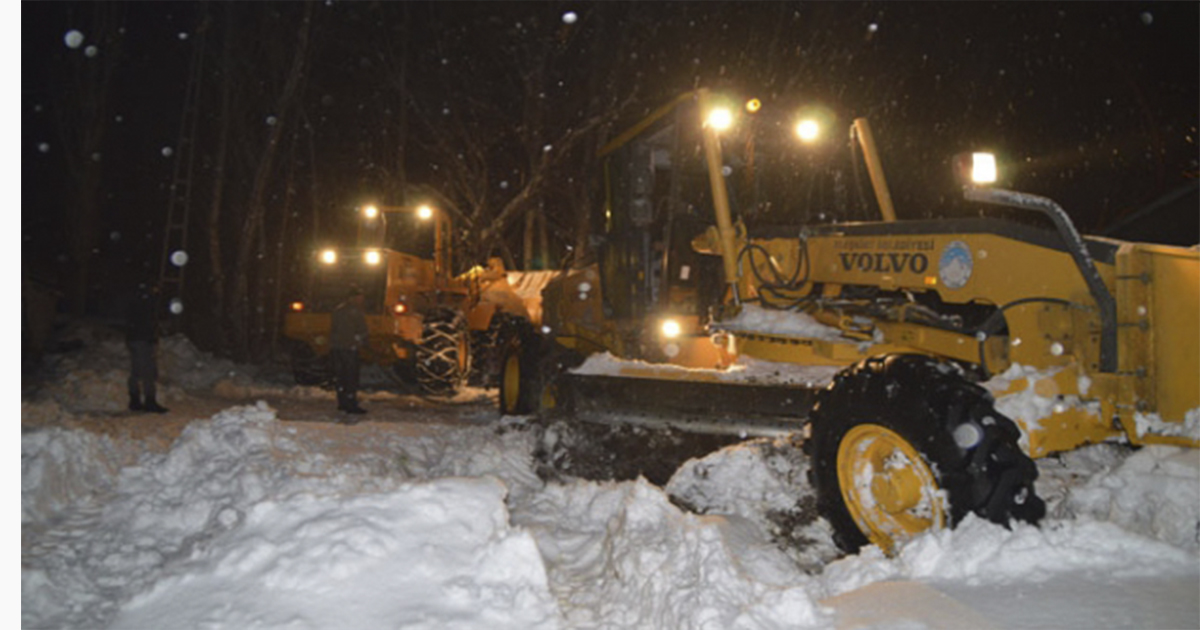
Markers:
<point>261,514</point>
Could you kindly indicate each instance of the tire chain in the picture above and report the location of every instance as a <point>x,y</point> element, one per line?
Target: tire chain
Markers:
<point>437,354</point>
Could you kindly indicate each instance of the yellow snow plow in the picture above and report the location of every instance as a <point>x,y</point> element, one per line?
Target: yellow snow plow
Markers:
<point>426,325</point>
<point>937,357</point>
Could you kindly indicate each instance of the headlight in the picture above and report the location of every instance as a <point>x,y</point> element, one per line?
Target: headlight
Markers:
<point>329,256</point>
<point>671,328</point>
<point>983,168</point>
<point>808,130</point>
<point>400,308</point>
<point>719,119</point>
<point>372,257</point>
<point>371,211</point>
<point>297,306</point>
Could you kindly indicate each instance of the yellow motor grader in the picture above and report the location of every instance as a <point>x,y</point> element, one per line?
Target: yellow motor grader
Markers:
<point>943,355</point>
<point>425,323</point>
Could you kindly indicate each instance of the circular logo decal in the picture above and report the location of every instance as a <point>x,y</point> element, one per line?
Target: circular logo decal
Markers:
<point>955,265</point>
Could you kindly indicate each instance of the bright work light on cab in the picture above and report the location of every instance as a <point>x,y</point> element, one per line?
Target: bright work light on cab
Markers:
<point>372,257</point>
<point>808,130</point>
<point>753,105</point>
<point>983,168</point>
<point>671,328</point>
<point>719,119</point>
<point>370,211</point>
<point>424,213</point>
<point>297,306</point>
<point>329,256</point>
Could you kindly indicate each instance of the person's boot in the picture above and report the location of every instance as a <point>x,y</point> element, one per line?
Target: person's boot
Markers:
<point>152,405</point>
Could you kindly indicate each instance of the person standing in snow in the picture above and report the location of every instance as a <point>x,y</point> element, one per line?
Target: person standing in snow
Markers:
<point>141,337</point>
<point>348,333</point>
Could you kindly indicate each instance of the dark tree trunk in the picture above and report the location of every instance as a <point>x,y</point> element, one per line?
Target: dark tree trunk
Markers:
<point>215,252</point>
<point>242,303</point>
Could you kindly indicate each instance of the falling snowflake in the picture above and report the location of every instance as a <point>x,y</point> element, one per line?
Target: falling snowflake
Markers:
<point>179,258</point>
<point>91,51</point>
<point>176,306</point>
<point>44,147</point>
<point>569,17</point>
<point>271,120</point>
<point>183,36</point>
<point>73,39</point>
<point>167,151</point>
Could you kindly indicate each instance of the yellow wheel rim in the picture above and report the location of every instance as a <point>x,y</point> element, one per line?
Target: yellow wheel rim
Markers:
<point>887,486</point>
<point>511,382</point>
<point>464,354</point>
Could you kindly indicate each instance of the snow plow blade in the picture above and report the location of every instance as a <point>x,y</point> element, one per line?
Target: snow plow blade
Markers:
<point>723,408</point>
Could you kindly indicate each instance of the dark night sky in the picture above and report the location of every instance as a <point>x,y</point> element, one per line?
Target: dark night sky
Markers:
<point>1093,104</point>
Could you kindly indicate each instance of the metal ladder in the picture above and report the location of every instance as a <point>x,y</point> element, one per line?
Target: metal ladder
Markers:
<point>175,232</point>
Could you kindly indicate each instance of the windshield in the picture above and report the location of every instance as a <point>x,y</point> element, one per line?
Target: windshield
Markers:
<point>331,281</point>
<point>778,178</point>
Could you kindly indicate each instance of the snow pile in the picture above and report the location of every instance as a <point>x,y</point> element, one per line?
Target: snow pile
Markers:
<point>241,525</point>
<point>764,481</point>
<point>94,377</point>
<point>247,521</point>
<point>180,363</point>
<point>1155,491</point>
<point>428,555</point>
<point>620,555</point>
<point>979,552</point>
<point>61,470</point>
<point>153,515</point>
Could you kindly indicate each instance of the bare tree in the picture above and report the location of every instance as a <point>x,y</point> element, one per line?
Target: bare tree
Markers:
<point>503,124</point>
<point>242,303</point>
<point>224,124</point>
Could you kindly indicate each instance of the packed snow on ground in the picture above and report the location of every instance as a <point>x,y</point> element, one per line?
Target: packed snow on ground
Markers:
<point>251,520</point>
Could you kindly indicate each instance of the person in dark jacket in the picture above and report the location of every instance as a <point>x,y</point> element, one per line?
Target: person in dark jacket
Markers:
<point>347,335</point>
<point>141,337</point>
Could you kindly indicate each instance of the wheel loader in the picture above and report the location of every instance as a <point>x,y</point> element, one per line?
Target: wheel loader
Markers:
<point>924,364</point>
<point>426,325</point>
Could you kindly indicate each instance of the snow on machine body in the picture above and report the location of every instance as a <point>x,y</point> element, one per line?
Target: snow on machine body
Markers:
<point>1078,339</point>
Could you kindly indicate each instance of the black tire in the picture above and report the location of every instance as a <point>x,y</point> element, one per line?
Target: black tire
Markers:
<point>403,373</point>
<point>529,374</point>
<point>520,377</point>
<point>308,368</point>
<point>888,407</point>
<point>488,347</point>
<point>443,353</point>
